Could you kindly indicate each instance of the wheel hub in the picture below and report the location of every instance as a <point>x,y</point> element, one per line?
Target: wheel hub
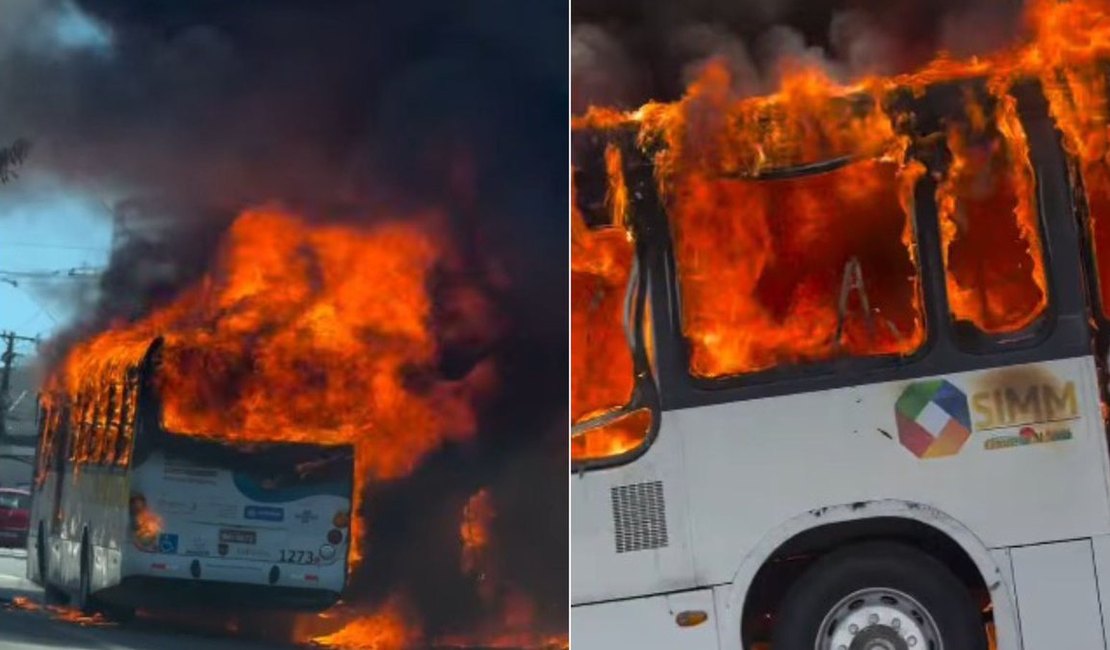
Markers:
<point>878,619</point>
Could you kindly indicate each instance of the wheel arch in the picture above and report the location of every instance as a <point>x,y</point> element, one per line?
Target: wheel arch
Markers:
<point>846,522</point>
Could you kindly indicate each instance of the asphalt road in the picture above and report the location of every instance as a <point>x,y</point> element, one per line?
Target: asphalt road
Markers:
<point>39,629</point>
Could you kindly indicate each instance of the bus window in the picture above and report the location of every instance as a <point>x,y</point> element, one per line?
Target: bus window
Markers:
<point>602,368</point>
<point>1096,182</point>
<point>127,421</point>
<point>59,430</point>
<point>47,436</point>
<point>45,416</point>
<point>92,426</point>
<point>131,423</point>
<point>797,269</point>
<point>616,436</point>
<point>989,223</point>
<point>106,452</point>
<point>77,427</point>
<point>602,362</point>
<point>1079,101</point>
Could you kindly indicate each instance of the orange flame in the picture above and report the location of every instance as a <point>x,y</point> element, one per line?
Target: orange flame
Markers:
<point>147,526</point>
<point>614,438</point>
<point>25,603</point>
<point>302,333</point>
<point>474,531</point>
<point>385,629</point>
<point>617,197</point>
<point>601,263</point>
<point>809,267</point>
<point>989,227</point>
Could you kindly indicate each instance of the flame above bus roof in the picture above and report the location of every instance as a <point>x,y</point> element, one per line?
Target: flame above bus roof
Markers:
<point>741,219</point>
<point>302,333</point>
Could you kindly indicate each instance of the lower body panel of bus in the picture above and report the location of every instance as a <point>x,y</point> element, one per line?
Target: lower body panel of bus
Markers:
<point>1061,589</point>
<point>155,592</point>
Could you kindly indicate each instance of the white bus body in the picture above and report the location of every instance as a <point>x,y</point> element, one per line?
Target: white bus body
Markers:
<point>180,521</point>
<point>728,505</point>
<point>672,543</point>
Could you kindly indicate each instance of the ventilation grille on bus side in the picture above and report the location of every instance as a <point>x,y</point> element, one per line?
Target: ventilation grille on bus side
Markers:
<point>639,516</point>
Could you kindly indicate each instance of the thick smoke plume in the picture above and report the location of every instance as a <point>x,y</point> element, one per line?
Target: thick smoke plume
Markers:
<point>626,52</point>
<point>179,115</point>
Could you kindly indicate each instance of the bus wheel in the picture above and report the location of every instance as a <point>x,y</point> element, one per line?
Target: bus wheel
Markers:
<point>51,595</point>
<point>40,551</point>
<point>84,590</point>
<point>878,595</point>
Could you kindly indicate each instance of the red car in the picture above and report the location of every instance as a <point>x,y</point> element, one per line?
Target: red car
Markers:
<point>15,515</point>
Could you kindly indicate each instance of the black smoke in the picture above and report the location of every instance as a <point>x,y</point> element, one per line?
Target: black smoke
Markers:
<point>626,52</point>
<point>180,114</point>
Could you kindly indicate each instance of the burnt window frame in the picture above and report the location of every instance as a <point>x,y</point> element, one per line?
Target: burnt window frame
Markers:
<point>52,412</point>
<point>42,426</point>
<point>129,408</point>
<point>92,425</point>
<point>969,337</point>
<point>1064,333</point>
<point>645,393</point>
<point>791,371</point>
<point>106,445</point>
<point>76,431</point>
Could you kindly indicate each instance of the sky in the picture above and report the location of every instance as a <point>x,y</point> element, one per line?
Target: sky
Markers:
<point>46,227</point>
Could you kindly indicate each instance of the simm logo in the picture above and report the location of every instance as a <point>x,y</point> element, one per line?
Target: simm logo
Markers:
<point>1034,404</point>
<point>933,418</point>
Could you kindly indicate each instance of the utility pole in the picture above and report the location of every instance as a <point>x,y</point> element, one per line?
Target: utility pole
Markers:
<point>7,359</point>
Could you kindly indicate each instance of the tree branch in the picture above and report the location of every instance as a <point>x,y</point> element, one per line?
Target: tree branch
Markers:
<point>11,158</point>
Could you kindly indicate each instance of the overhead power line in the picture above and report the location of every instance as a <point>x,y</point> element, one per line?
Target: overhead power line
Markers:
<point>70,247</point>
<point>76,273</point>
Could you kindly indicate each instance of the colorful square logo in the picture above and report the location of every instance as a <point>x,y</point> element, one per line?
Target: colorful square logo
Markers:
<point>933,418</point>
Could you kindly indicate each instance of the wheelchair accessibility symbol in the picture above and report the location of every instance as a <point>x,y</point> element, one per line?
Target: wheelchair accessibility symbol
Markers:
<point>167,543</point>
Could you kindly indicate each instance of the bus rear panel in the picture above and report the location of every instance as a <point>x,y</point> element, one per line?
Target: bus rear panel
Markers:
<point>264,526</point>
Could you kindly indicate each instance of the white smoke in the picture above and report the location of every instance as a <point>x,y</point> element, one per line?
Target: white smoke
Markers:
<point>758,40</point>
<point>700,43</point>
<point>42,27</point>
<point>602,71</point>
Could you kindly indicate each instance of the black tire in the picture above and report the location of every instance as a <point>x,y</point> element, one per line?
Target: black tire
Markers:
<point>84,589</point>
<point>40,553</point>
<point>51,595</point>
<point>89,604</point>
<point>882,565</point>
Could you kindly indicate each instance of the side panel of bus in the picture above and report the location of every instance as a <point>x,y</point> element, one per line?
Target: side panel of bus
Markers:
<point>42,490</point>
<point>1024,465</point>
<point>238,529</point>
<point>92,511</point>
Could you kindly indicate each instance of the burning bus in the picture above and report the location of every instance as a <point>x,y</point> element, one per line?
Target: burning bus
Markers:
<point>840,358</point>
<point>127,513</point>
